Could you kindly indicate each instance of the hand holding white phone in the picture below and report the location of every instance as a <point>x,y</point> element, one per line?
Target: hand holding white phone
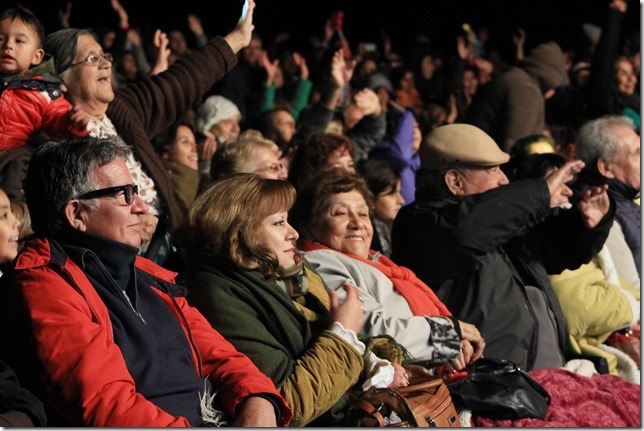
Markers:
<point>244,12</point>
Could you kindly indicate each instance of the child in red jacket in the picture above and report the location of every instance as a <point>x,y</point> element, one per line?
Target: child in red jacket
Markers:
<point>31,99</point>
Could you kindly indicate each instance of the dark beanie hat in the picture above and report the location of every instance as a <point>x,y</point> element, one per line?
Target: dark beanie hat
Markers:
<point>61,45</point>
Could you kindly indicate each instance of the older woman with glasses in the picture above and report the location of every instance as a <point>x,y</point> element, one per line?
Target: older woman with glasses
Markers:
<point>251,153</point>
<point>142,110</point>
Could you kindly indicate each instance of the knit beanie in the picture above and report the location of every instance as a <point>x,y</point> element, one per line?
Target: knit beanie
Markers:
<point>380,80</point>
<point>213,110</point>
<point>62,44</point>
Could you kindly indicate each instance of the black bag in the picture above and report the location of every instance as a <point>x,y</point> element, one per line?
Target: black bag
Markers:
<point>498,389</point>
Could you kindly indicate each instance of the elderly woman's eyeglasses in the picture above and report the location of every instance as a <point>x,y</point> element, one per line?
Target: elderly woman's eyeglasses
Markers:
<point>129,190</point>
<point>95,59</point>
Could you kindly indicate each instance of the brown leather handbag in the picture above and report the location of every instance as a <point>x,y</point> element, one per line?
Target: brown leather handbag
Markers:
<point>426,402</point>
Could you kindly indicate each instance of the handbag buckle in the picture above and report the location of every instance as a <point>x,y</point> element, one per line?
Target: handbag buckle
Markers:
<point>379,406</point>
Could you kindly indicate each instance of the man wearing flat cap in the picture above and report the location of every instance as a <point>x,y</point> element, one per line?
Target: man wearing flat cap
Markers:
<point>486,247</point>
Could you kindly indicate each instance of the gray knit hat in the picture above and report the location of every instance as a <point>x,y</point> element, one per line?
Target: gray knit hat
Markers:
<point>213,110</point>
<point>62,44</point>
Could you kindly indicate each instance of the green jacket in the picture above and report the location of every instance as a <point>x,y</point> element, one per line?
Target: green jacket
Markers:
<point>312,367</point>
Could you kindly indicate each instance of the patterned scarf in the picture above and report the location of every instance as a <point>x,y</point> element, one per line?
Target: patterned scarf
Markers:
<point>293,280</point>
<point>421,299</point>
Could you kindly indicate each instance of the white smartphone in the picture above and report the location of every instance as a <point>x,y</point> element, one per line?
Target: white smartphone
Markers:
<point>244,11</point>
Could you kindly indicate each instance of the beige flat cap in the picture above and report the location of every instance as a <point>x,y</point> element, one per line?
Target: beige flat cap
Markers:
<point>459,144</point>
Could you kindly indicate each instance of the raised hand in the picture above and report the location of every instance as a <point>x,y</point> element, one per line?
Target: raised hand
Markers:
<point>593,205</point>
<point>368,102</point>
<point>207,149</point>
<point>120,10</point>
<point>559,191</point>
<point>240,37</point>
<point>64,14</point>
<point>162,52</point>
<point>195,26</point>
<point>300,62</point>
<point>269,66</point>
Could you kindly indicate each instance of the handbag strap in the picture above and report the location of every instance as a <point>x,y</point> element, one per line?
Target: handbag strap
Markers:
<point>422,386</point>
<point>422,379</point>
<point>369,409</point>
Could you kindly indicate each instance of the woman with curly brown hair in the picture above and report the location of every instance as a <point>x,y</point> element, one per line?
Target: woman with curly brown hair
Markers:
<point>321,152</point>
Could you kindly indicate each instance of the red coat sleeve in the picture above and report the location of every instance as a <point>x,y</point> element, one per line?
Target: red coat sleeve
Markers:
<point>233,374</point>
<point>56,122</point>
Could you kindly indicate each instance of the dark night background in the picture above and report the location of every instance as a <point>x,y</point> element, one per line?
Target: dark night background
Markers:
<point>403,20</point>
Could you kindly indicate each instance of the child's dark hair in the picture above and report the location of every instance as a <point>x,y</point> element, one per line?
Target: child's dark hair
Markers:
<point>28,18</point>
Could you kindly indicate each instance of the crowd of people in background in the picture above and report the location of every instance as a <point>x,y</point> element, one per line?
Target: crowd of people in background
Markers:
<point>222,231</point>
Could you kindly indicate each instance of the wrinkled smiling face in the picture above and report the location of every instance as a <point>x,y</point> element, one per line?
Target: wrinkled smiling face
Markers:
<point>346,225</point>
<point>89,84</point>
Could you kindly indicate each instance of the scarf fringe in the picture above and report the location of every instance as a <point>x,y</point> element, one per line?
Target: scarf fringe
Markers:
<point>209,414</point>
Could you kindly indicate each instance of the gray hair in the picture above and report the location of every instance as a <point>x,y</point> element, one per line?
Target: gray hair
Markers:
<point>62,46</point>
<point>596,138</point>
<point>62,170</point>
<point>234,156</point>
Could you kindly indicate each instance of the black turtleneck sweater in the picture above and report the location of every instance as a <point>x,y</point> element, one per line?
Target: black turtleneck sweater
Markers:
<point>154,346</point>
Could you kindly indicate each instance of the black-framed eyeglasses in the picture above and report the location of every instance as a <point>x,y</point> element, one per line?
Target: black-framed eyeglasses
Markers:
<point>95,59</point>
<point>129,190</point>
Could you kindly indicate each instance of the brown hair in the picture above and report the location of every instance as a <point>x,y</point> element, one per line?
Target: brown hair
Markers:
<point>226,216</point>
<point>313,201</point>
<point>313,153</point>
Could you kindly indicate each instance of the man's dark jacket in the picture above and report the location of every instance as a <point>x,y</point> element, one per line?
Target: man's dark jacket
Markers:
<point>478,255</point>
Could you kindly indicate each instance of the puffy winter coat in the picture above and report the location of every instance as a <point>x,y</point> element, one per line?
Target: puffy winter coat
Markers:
<point>57,335</point>
<point>32,102</point>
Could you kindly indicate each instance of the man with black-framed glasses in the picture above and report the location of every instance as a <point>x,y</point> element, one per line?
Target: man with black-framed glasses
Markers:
<point>102,336</point>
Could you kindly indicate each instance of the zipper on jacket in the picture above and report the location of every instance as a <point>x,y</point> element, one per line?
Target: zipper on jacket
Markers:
<point>101,266</point>
<point>132,307</point>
